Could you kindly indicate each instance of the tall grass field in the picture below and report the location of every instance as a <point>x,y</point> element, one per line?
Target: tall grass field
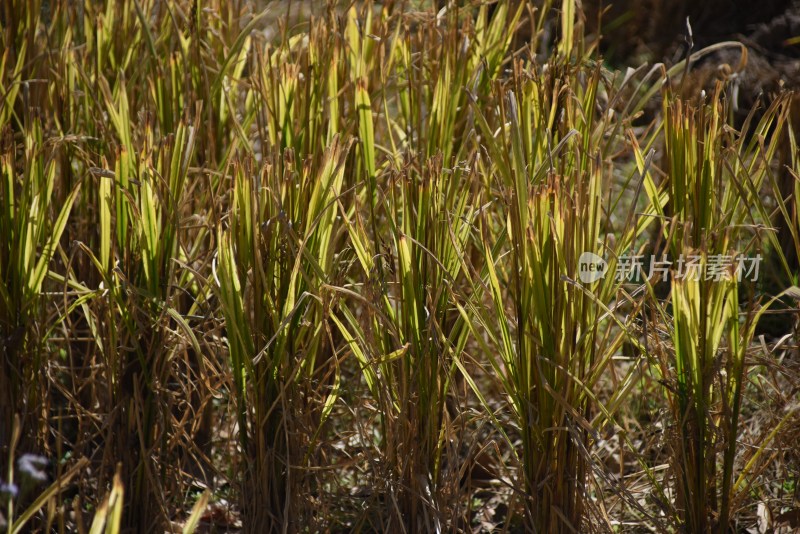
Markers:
<point>402,267</point>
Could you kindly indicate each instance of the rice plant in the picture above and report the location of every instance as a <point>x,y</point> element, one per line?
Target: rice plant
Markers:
<point>545,322</point>
<point>713,179</point>
<point>273,260</point>
<point>34,215</point>
<point>421,210</point>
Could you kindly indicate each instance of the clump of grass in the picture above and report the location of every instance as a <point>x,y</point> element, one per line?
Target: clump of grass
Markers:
<point>275,255</point>
<point>137,253</point>
<point>32,221</point>
<point>550,331</point>
<point>277,252</point>
<point>420,211</point>
<point>713,179</point>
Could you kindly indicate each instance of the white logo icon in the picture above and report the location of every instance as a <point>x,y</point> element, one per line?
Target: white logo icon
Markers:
<point>591,267</point>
